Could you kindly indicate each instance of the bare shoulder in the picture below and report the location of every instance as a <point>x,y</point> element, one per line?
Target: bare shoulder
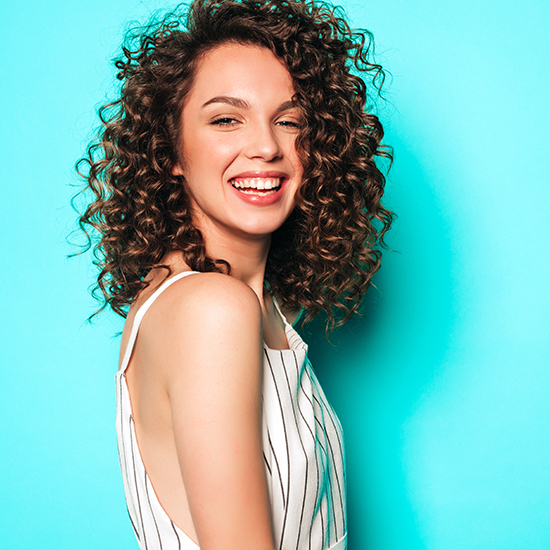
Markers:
<point>201,315</point>
<point>208,352</point>
<point>206,295</point>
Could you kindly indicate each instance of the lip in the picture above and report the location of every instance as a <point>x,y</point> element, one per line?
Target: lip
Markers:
<point>260,199</point>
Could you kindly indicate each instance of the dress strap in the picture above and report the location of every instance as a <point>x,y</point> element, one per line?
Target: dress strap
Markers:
<point>143,310</point>
<point>277,307</point>
<point>281,313</point>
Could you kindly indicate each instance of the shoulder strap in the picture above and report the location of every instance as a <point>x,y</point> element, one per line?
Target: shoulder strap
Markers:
<point>279,311</point>
<point>278,308</point>
<point>143,310</point>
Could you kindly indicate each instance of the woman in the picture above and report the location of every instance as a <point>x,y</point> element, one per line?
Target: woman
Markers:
<point>234,186</point>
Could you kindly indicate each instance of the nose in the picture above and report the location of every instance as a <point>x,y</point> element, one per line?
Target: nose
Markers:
<point>263,143</point>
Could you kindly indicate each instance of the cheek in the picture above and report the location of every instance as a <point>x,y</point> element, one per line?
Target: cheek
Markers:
<point>296,163</point>
<point>292,154</point>
<point>212,153</point>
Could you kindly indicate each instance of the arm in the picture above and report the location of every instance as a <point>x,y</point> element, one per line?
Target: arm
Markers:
<point>209,348</point>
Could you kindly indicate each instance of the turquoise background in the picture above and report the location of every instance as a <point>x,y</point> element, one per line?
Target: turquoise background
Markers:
<point>443,388</point>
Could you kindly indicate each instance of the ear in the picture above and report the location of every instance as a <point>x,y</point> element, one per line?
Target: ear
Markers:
<point>177,170</point>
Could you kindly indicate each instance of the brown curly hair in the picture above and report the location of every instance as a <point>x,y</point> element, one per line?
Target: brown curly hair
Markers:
<point>325,254</point>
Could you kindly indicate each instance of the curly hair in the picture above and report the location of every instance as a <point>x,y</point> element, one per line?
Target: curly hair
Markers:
<point>324,256</point>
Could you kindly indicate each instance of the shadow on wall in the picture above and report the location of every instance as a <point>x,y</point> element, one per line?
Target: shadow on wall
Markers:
<point>381,364</point>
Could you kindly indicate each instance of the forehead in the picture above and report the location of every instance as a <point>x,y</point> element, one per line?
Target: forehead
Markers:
<point>246,71</point>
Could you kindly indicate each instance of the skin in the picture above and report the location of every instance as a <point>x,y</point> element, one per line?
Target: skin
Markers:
<point>196,370</point>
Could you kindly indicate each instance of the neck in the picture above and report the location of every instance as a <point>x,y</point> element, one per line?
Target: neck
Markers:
<point>246,254</point>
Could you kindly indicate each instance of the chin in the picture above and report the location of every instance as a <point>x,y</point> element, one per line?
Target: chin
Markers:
<point>259,228</point>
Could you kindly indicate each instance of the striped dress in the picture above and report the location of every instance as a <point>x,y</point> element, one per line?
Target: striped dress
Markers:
<point>302,447</point>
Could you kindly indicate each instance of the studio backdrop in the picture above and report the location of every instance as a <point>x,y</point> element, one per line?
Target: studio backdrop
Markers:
<point>442,386</point>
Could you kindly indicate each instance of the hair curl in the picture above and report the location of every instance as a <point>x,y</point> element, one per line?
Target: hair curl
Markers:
<point>325,254</point>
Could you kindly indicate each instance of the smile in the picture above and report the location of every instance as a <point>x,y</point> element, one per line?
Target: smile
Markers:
<point>257,185</point>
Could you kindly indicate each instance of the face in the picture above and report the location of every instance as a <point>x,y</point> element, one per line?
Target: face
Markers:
<point>237,148</point>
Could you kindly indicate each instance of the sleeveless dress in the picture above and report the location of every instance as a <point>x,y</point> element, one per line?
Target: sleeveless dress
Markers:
<point>302,447</point>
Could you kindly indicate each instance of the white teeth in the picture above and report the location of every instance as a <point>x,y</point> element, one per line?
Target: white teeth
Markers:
<point>256,183</point>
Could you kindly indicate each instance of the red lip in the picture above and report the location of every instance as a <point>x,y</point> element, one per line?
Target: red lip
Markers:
<point>260,174</point>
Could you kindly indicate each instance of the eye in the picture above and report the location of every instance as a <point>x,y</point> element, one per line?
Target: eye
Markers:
<point>224,121</point>
<point>289,124</point>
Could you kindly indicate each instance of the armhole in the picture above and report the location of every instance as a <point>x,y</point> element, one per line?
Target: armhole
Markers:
<point>141,313</point>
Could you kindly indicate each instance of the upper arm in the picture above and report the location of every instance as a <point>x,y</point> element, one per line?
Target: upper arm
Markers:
<point>208,344</point>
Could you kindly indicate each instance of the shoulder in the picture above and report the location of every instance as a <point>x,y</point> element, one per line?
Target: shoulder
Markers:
<point>202,332</point>
<point>204,294</point>
<point>203,305</point>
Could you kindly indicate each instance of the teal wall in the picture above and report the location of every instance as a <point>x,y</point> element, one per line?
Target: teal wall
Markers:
<point>443,388</point>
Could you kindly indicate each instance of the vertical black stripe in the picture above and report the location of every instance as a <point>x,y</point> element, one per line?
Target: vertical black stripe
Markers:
<point>330,504</point>
<point>327,480</point>
<point>326,475</point>
<point>123,455</point>
<point>318,494</point>
<point>119,413</point>
<point>330,413</point>
<point>176,533</point>
<point>340,486</point>
<point>322,524</point>
<point>135,479</point>
<point>328,406</point>
<point>319,423</point>
<point>151,508</point>
<point>287,449</point>
<point>343,469</point>
<point>303,449</point>
<point>132,522</point>
<point>278,469</point>
<point>335,470</point>
<point>267,464</point>
<point>299,379</point>
<point>264,425</point>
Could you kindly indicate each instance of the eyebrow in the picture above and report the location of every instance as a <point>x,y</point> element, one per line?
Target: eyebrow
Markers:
<point>242,104</point>
<point>233,101</point>
<point>287,105</point>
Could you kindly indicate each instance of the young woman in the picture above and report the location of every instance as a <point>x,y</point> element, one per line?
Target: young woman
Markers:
<point>234,187</point>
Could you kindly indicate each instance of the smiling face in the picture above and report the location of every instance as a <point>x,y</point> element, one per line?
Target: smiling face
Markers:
<point>237,146</point>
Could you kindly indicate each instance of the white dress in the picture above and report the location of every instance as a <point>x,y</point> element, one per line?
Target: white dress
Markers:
<point>302,447</point>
